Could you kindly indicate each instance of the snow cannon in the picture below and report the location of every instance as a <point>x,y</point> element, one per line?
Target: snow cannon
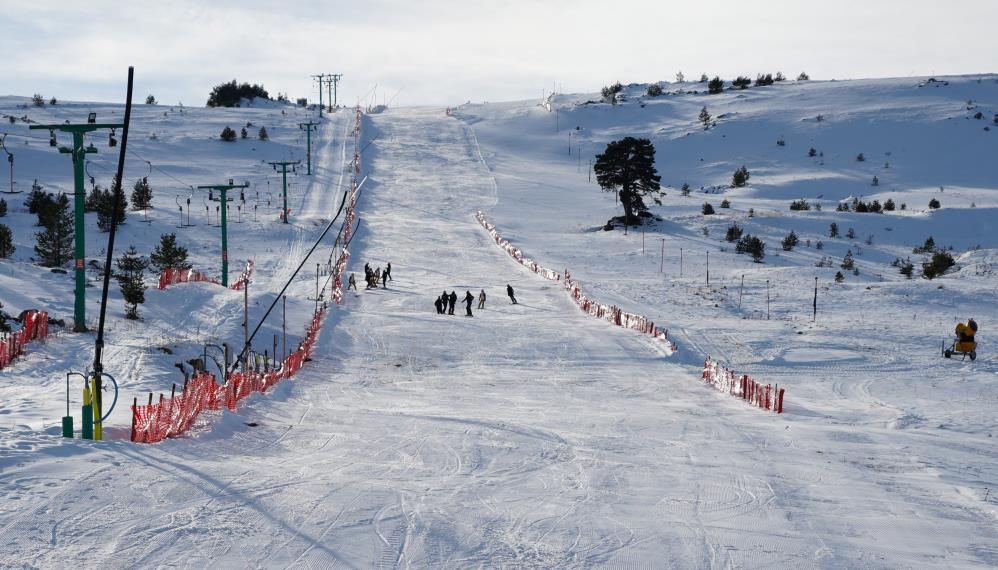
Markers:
<point>965,343</point>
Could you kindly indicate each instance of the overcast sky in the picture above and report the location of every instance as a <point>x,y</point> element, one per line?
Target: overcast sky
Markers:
<point>447,51</point>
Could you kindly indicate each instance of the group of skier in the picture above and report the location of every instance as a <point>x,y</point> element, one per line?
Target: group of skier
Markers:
<point>446,301</point>
<point>372,276</point>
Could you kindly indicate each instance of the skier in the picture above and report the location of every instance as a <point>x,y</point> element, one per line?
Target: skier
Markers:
<point>509,291</point>
<point>388,271</point>
<point>352,284</point>
<point>451,301</point>
<point>384,280</point>
<point>481,299</point>
<point>468,298</point>
<point>439,304</point>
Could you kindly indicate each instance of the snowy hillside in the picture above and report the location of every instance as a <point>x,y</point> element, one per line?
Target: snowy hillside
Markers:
<point>531,435</point>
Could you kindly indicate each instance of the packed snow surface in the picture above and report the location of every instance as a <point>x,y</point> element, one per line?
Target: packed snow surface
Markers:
<point>531,435</point>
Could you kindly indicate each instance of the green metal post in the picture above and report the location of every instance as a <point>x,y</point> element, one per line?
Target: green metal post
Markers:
<point>309,126</point>
<point>284,178</point>
<point>79,195</point>
<point>225,239</point>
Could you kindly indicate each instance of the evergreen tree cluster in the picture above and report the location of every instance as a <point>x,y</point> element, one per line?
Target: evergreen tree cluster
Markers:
<point>228,134</point>
<point>229,94</point>
<point>800,205</point>
<point>753,246</point>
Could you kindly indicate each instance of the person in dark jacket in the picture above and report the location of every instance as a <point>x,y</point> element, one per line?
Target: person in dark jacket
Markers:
<point>481,299</point>
<point>388,271</point>
<point>509,291</point>
<point>451,301</point>
<point>468,299</point>
<point>439,304</point>
<point>384,280</point>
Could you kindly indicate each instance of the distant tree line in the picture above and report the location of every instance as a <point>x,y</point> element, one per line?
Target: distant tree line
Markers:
<point>229,94</point>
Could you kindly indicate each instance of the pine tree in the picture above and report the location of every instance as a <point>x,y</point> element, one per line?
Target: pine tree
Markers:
<point>704,118</point>
<point>4,317</point>
<point>92,201</point>
<point>733,234</point>
<point>751,245</point>
<point>847,261</point>
<point>6,242</point>
<point>242,133</point>
<point>131,268</point>
<point>707,209</point>
<point>150,100</point>
<point>106,209</point>
<point>839,278</point>
<point>628,165</point>
<point>685,190</point>
<point>228,134</point>
<point>142,195</point>
<point>715,85</point>
<point>790,241</point>
<point>37,100</point>
<point>36,198</point>
<point>169,254</point>
<point>263,134</point>
<point>740,177</point>
<point>833,230</point>
<point>3,207</point>
<point>54,245</point>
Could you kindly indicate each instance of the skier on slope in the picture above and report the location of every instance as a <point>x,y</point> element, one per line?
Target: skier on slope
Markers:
<point>384,280</point>
<point>481,299</point>
<point>468,298</point>
<point>509,291</point>
<point>388,271</point>
<point>439,304</point>
<point>451,301</point>
<point>352,283</point>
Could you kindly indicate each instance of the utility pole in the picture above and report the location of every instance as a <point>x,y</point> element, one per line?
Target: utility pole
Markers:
<point>708,267</point>
<point>767,299</point>
<point>661,268</point>
<point>223,201</point>
<point>309,127</point>
<point>78,154</point>
<point>320,77</point>
<point>284,177</point>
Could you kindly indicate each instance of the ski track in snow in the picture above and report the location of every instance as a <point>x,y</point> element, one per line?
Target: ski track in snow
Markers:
<point>527,436</point>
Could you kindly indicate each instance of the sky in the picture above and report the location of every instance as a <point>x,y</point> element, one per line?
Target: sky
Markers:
<point>446,52</point>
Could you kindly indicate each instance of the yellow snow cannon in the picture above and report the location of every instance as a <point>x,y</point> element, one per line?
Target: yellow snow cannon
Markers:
<point>965,344</point>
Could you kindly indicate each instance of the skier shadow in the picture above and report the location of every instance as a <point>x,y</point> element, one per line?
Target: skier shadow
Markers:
<point>518,305</point>
<point>223,488</point>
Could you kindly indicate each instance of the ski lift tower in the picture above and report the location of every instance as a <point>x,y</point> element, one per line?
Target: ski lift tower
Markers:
<point>223,201</point>
<point>284,164</point>
<point>78,154</point>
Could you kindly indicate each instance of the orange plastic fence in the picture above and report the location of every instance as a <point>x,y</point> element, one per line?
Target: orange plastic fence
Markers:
<point>35,327</point>
<point>610,313</point>
<point>173,416</point>
<point>765,396</point>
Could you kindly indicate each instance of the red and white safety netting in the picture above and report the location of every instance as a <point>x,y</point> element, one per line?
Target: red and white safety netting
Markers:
<point>171,276</point>
<point>244,277</point>
<point>35,327</point>
<point>610,313</point>
<point>765,396</point>
<point>173,416</point>
<point>349,219</point>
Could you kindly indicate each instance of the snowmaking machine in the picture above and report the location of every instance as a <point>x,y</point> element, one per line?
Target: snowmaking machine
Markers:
<point>965,344</point>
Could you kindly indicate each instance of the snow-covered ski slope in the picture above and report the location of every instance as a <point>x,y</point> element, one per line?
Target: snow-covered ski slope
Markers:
<point>531,435</point>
